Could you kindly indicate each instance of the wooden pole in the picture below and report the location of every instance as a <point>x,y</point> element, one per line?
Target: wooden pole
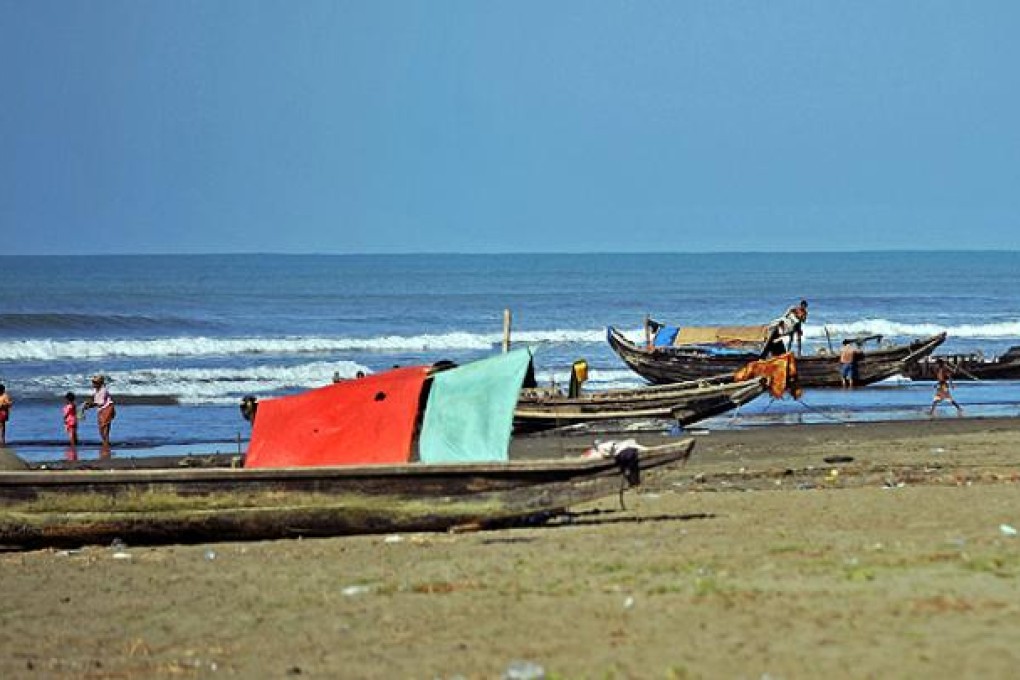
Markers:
<point>507,318</point>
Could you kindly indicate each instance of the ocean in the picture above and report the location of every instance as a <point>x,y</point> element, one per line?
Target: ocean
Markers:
<point>183,338</point>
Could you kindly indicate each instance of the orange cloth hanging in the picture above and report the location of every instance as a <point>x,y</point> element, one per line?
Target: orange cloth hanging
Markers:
<point>780,371</point>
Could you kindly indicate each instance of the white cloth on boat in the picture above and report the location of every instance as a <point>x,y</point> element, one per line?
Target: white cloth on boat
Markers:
<point>612,448</point>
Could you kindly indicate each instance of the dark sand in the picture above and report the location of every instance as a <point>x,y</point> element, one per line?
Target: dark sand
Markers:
<point>756,560</point>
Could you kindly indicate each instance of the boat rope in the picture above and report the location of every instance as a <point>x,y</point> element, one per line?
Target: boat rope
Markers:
<point>822,414</point>
<point>807,407</point>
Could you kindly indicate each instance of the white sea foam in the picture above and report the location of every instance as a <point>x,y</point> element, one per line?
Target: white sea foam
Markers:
<point>200,346</point>
<point>598,379</point>
<point>1004,329</point>
<point>207,385</point>
<point>50,350</point>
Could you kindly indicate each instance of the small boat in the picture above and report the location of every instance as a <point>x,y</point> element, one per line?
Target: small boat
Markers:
<point>971,366</point>
<point>685,403</point>
<point>677,363</point>
<point>410,449</point>
<point>147,506</point>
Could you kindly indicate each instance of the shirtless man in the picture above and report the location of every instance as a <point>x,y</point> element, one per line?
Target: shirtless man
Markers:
<point>943,385</point>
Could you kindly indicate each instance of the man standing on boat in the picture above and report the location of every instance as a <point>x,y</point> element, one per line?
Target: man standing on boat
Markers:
<point>789,325</point>
<point>795,318</point>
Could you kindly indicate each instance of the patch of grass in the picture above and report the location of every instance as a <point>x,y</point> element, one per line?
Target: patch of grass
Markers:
<point>708,585</point>
<point>998,565</point>
<point>858,574</point>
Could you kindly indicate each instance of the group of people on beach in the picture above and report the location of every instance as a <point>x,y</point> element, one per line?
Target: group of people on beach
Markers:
<point>100,400</point>
<point>851,354</point>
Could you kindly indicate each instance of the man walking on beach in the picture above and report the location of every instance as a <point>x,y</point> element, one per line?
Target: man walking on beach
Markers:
<point>943,386</point>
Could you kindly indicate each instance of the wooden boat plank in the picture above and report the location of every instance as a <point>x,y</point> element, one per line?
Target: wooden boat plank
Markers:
<point>68,507</point>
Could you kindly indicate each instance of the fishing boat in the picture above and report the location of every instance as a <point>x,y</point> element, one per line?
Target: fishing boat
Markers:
<point>150,506</point>
<point>685,403</point>
<point>410,449</point>
<point>663,364</point>
<point>973,366</point>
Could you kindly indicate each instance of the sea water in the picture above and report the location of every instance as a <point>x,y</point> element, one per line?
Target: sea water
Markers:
<point>183,338</point>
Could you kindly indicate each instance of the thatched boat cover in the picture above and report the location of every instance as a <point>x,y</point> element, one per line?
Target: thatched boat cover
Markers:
<point>355,422</point>
<point>701,335</point>
<point>470,410</point>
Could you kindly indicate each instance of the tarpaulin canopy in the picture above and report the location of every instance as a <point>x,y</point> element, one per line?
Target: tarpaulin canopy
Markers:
<point>470,410</point>
<point>695,335</point>
<point>355,422</point>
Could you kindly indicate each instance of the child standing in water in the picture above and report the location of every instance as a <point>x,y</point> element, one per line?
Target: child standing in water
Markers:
<point>71,419</point>
<point>5,413</point>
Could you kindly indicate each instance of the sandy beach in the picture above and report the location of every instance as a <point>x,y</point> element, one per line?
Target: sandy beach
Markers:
<point>759,559</point>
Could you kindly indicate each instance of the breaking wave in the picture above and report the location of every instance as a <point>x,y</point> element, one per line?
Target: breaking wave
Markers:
<point>1003,329</point>
<point>50,350</point>
<point>204,385</point>
<point>204,346</point>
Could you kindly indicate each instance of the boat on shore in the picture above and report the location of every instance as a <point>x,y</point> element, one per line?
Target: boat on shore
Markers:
<point>412,449</point>
<point>971,366</point>
<point>149,506</point>
<point>542,409</point>
<point>664,364</point>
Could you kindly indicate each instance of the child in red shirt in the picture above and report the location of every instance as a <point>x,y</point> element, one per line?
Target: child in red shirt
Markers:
<point>71,419</point>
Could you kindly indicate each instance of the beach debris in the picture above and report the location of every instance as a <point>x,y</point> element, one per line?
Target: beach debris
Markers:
<point>394,538</point>
<point>937,450</point>
<point>1007,530</point>
<point>629,602</point>
<point>209,555</point>
<point>355,590</point>
<point>119,549</point>
<point>831,460</point>
<point>523,670</point>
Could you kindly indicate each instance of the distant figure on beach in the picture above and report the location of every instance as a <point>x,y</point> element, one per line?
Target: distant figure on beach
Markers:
<point>848,358</point>
<point>71,419</point>
<point>5,413</point>
<point>249,407</point>
<point>336,377</point>
<point>105,411</point>
<point>943,387</point>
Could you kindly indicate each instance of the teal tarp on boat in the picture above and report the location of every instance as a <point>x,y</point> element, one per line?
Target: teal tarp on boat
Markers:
<point>470,410</point>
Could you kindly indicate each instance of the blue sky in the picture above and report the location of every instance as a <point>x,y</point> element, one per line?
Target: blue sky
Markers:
<point>144,126</point>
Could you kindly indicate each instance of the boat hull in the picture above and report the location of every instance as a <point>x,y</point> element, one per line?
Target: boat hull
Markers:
<point>663,365</point>
<point>141,506</point>
<point>968,367</point>
<point>685,403</point>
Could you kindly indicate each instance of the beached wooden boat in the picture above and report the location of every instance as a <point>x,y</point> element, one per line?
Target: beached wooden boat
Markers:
<point>670,364</point>
<point>971,366</point>
<point>686,403</point>
<point>145,506</point>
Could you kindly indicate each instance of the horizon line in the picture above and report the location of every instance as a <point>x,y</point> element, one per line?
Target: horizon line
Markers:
<point>270,253</point>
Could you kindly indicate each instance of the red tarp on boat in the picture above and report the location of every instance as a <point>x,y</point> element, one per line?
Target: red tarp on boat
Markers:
<point>365,421</point>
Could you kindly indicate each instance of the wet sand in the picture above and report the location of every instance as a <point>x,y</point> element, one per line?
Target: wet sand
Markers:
<point>757,559</point>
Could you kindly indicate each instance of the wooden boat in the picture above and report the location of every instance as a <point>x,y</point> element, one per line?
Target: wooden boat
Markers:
<point>971,366</point>
<point>686,403</point>
<point>144,506</point>
<point>662,365</point>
